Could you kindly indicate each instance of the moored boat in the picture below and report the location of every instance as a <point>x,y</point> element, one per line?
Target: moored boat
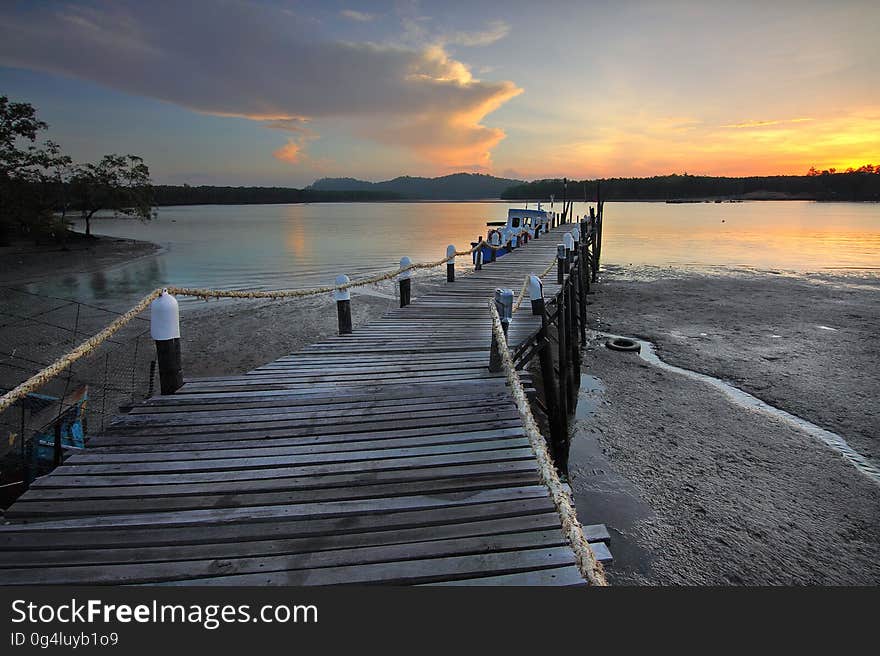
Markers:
<point>520,226</point>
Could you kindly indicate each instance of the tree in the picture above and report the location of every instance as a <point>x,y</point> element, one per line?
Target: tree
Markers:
<point>117,182</point>
<point>21,165</point>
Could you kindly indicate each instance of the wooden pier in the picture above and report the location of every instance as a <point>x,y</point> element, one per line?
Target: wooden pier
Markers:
<point>389,455</point>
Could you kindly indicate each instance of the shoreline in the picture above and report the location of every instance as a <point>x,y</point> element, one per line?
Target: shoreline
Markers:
<point>696,489</point>
<point>81,255</point>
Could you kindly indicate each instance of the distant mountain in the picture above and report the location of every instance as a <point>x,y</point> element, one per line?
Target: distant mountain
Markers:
<point>458,186</point>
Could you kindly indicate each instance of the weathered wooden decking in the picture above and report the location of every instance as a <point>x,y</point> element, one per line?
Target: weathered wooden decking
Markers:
<point>388,456</point>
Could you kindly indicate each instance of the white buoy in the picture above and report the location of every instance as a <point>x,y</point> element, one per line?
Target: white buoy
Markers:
<point>342,294</point>
<point>164,317</point>
<point>405,262</point>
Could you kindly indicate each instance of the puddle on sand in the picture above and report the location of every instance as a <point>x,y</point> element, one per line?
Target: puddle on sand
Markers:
<point>589,397</point>
<point>746,400</point>
<point>601,494</point>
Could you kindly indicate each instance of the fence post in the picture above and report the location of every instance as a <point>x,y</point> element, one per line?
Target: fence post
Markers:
<point>560,263</point>
<point>600,216</point>
<point>594,262</point>
<point>343,305</point>
<point>504,305</point>
<point>405,279</point>
<point>450,265</point>
<point>165,331</point>
<point>551,395</point>
<point>562,355</point>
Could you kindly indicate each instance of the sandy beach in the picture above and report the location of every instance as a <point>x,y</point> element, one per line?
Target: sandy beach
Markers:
<point>697,490</point>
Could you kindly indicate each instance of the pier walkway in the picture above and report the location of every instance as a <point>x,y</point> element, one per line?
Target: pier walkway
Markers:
<point>391,455</point>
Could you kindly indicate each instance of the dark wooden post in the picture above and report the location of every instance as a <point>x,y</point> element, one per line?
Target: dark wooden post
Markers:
<point>56,459</point>
<point>450,265</point>
<point>504,306</point>
<point>478,255</point>
<point>600,211</point>
<point>564,200</point>
<point>343,305</point>
<point>558,429</point>
<point>583,284</point>
<point>562,356</point>
<point>560,263</point>
<point>165,331</point>
<point>571,344</point>
<point>405,279</point>
<point>593,240</point>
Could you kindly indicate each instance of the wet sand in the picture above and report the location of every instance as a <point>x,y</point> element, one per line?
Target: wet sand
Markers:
<point>25,262</point>
<point>697,490</point>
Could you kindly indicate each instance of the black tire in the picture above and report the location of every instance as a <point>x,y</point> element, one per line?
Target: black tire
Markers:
<point>623,344</point>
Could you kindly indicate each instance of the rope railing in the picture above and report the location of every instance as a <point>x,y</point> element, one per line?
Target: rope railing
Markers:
<point>90,345</point>
<point>591,569</point>
<point>525,287</point>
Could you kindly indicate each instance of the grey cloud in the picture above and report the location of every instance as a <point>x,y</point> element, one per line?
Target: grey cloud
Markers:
<point>243,59</point>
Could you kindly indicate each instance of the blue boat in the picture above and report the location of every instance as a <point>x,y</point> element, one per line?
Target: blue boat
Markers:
<point>520,226</point>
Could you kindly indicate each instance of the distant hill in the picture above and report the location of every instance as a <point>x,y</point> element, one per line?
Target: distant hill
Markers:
<point>458,186</point>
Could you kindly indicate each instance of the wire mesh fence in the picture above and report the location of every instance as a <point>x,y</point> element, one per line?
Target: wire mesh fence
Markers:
<point>34,331</point>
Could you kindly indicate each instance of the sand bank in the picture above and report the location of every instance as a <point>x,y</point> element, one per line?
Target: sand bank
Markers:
<point>696,489</point>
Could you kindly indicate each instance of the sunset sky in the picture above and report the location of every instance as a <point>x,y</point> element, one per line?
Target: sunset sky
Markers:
<point>280,93</point>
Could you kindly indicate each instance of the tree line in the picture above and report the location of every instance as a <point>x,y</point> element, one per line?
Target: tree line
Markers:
<point>41,187</point>
<point>852,185</point>
<point>207,195</point>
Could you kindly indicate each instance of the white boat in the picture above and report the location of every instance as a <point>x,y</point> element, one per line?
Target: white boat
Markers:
<point>520,226</point>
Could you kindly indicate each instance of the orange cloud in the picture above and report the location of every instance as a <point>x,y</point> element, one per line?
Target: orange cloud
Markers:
<point>761,124</point>
<point>292,153</point>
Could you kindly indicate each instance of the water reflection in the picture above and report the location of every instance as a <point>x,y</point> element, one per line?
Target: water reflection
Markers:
<point>278,246</point>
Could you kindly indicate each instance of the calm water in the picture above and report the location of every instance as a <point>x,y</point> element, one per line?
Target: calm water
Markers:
<point>283,246</point>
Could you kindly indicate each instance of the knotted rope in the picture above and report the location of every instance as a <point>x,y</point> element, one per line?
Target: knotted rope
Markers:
<point>590,568</point>
<point>525,287</point>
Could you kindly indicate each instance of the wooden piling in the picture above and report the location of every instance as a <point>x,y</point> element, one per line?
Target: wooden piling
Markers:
<point>343,305</point>
<point>405,282</point>
<point>450,265</point>
<point>170,370</point>
<point>558,431</point>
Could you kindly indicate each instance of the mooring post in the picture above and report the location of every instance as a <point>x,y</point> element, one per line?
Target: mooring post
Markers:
<point>600,212</point>
<point>594,262</point>
<point>478,255</point>
<point>405,279</point>
<point>496,242</point>
<point>165,331</point>
<point>504,306</point>
<point>536,294</point>
<point>562,354</point>
<point>343,305</point>
<point>568,241</point>
<point>450,265</point>
<point>551,394</point>
<point>560,263</point>
<point>56,451</point>
<point>571,344</point>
